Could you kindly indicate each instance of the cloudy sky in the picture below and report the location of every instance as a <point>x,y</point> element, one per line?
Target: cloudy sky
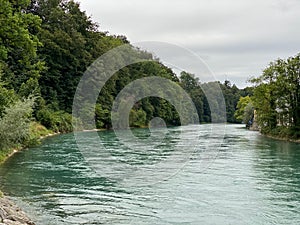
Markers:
<point>236,38</point>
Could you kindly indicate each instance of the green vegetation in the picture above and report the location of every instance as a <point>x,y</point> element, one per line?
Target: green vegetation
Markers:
<point>274,102</point>
<point>17,128</point>
<point>15,123</point>
<point>277,98</point>
<point>42,61</point>
<point>245,111</point>
<point>198,92</point>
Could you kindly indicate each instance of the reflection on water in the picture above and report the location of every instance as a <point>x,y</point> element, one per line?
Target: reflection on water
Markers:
<point>278,165</point>
<point>253,180</point>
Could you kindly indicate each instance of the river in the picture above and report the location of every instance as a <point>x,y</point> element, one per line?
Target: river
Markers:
<point>246,179</point>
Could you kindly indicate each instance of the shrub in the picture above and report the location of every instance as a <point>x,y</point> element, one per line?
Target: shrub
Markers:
<point>57,121</point>
<point>14,125</point>
<point>36,131</point>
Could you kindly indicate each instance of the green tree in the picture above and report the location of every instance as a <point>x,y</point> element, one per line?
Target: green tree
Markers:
<point>71,43</point>
<point>137,118</point>
<point>19,42</point>
<point>245,110</point>
<point>265,97</point>
<point>277,97</point>
<point>192,86</point>
<point>231,95</point>
<point>7,96</point>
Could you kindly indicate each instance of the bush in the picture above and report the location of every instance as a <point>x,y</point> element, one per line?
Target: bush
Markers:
<point>36,131</point>
<point>14,125</point>
<point>57,121</point>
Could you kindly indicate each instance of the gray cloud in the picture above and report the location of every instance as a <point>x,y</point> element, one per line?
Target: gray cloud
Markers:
<point>237,39</point>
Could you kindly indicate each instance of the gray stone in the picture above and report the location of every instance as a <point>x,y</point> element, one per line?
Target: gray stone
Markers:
<point>11,214</point>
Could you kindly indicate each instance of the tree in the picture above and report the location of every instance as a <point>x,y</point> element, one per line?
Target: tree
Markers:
<point>19,43</point>
<point>137,118</point>
<point>7,96</point>
<point>265,97</point>
<point>245,110</point>
<point>277,97</point>
<point>231,95</point>
<point>192,86</point>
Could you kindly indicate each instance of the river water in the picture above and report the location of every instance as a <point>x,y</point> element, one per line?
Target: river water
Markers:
<point>244,179</point>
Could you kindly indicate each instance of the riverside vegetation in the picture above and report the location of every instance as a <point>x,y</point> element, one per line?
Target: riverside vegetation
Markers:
<point>275,100</point>
<point>46,45</point>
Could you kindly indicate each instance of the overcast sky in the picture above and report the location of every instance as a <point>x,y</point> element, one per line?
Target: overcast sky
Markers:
<point>236,38</point>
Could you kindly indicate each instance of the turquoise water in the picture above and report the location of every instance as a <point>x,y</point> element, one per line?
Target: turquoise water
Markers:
<point>244,179</point>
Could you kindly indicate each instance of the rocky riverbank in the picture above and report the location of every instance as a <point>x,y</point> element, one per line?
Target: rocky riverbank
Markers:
<point>11,214</point>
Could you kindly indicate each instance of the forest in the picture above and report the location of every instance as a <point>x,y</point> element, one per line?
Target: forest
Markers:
<point>47,45</point>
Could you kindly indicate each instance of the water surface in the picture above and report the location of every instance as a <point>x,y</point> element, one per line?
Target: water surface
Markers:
<point>252,180</point>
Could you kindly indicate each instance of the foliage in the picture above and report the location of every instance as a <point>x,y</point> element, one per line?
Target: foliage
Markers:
<point>192,86</point>
<point>277,97</point>
<point>36,132</point>
<point>19,43</point>
<point>14,125</point>
<point>71,43</point>
<point>245,110</point>
<point>57,121</point>
<point>4,153</point>
<point>137,118</point>
<point>7,97</point>
<point>200,93</point>
<point>248,114</point>
<point>30,87</point>
<point>231,94</point>
<point>47,45</point>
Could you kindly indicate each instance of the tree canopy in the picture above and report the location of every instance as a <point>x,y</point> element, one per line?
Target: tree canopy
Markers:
<point>277,97</point>
<point>47,45</point>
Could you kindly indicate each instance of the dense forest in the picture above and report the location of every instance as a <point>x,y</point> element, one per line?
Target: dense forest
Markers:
<point>47,45</point>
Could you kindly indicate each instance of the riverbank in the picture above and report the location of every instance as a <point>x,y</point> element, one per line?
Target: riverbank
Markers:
<point>37,133</point>
<point>281,138</point>
<point>11,214</point>
<point>275,137</point>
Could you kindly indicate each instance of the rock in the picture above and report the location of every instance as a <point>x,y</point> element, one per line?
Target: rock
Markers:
<point>254,126</point>
<point>10,214</point>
